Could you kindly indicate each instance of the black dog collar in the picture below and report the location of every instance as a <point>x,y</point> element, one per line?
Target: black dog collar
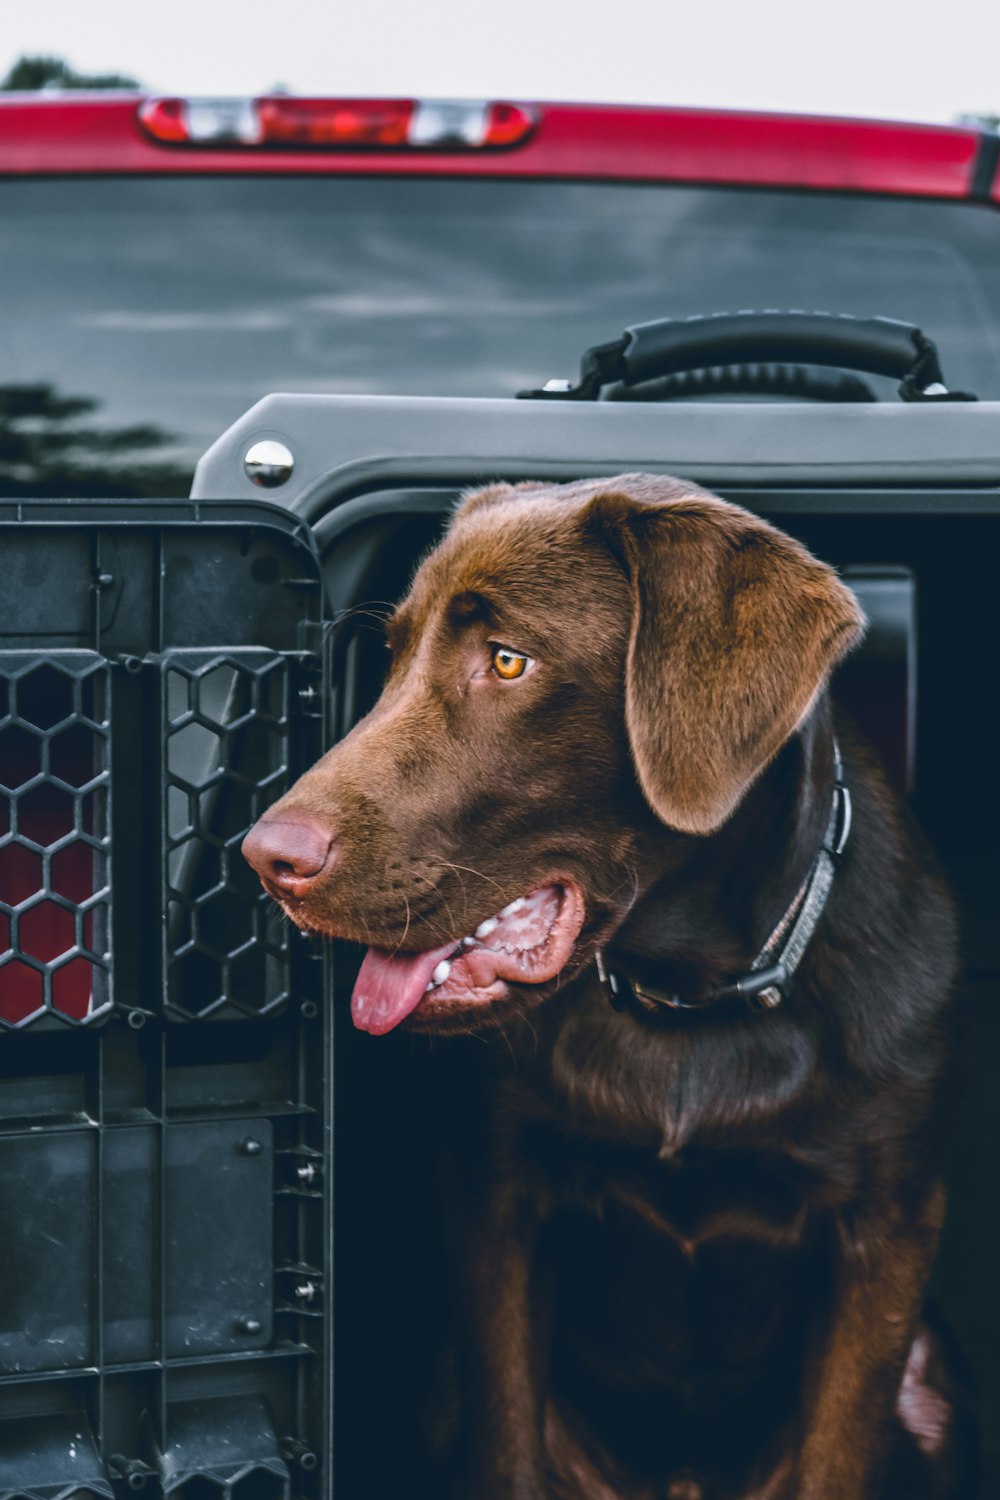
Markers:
<point>763,986</point>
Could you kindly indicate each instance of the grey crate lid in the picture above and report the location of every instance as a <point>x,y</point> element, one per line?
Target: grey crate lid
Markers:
<point>343,445</point>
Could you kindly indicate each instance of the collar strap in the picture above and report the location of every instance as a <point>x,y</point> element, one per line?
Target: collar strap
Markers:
<point>764,985</point>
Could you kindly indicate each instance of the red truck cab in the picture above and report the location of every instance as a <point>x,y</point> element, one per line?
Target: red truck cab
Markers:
<point>168,261</point>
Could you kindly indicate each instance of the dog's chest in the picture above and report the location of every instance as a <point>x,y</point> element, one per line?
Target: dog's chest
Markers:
<point>670,1272</point>
<point>698,1199</point>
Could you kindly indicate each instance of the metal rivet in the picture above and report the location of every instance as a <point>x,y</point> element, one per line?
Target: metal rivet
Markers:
<point>294,1450</point>
<point>268,463</point>
<point>305,1291</point>
<point>131,1470</point>
<point>249,1325</point>
<point>250,1147</point>
<point>306,1173</point>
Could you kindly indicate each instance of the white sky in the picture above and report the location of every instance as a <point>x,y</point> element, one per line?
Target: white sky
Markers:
<point>920,59</point>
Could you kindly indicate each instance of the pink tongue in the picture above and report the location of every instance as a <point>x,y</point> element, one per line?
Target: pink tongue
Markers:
<point>391,985</point>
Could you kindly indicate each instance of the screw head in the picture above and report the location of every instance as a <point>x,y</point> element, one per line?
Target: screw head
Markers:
<point>249,1325</point>
<point>268,463</point>
<point>294,1450</point>
<point>250,1147</point>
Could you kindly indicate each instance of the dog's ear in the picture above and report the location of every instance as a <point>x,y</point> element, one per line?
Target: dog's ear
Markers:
<point>735,629</point>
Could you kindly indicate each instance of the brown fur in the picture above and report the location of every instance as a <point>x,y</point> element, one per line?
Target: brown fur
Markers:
<point>753,625</point>
<point>699,1245</point>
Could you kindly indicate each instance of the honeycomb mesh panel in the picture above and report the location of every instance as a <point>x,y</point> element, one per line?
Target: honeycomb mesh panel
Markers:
<point>253,1482</point>
<point>156,1228</point>
<point>226,758</point>
<point>55,836</point>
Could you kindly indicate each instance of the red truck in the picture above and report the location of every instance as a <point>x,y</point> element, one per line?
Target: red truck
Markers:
<point>168,262</point>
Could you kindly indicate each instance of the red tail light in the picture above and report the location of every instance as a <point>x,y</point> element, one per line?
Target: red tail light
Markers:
<point>165,120</point>
<point>335,124</point>
<point>508,124</point>
<point>326,122</point>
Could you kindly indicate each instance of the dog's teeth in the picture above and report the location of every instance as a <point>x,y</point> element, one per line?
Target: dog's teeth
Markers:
<point>441,972</point>
<point>514,906</point>
<point>485,928</point>
<point>468,942</point>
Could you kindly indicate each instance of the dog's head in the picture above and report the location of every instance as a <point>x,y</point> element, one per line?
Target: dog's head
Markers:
<point>584,677</point>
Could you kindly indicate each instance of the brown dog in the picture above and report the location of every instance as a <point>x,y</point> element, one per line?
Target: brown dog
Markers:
<point>695,1224</point>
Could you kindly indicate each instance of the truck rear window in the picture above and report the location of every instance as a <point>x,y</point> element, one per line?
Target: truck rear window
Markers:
<point>142,316</point>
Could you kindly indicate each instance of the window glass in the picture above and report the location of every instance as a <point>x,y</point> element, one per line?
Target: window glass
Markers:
<point>142,316</point>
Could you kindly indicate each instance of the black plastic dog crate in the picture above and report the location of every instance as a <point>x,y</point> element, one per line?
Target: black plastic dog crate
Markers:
<point>164,1081</point>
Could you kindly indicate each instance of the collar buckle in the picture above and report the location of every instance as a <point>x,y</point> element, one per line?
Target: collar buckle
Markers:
<point>758,990</point>
<point>609,982</point>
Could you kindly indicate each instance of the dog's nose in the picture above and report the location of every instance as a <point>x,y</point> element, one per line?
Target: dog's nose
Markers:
<point>289,854</point>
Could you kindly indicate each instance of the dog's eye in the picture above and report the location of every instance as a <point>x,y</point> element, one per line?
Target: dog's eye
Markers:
<point>508,664</point>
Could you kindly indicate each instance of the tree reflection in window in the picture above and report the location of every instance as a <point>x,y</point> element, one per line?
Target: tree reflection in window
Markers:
<point>50,447</point>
